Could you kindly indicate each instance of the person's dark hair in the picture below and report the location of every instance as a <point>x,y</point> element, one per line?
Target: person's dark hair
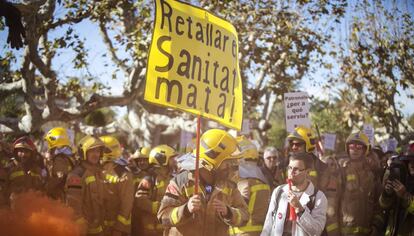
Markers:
<point>307,158</point>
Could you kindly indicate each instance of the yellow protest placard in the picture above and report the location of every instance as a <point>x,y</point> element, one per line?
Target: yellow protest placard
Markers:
<point>193,63</point>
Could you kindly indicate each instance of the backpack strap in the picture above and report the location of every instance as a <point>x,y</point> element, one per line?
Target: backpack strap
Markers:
<point>278,195</point>
<point>311,203</point>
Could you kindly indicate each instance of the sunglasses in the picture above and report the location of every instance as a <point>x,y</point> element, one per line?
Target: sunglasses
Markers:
<point>297,144</point>
<point>356,146</point>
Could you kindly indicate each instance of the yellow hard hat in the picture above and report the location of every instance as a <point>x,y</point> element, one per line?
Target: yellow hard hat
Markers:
<point>358,137</point>
<point>160,155</point>
<point>306,135</point>
<point>215,146</point>
<point>113,146</point>
<point>57,137</point>
<point>247,149</point>
<point>88,143</point>
<point>144,152</point>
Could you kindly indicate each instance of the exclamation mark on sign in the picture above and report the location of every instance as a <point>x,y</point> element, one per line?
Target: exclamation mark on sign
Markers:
<point>232,108</point>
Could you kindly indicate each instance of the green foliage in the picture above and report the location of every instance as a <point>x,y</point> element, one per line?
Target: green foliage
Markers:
<point>328,116</point>
<point>278,39</point>
<point>277,134</point>
<point>100,117</point>
<point>378,66</point>
<point>10,105</point>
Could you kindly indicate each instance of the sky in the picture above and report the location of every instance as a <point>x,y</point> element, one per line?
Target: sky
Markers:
<point>93,42</point>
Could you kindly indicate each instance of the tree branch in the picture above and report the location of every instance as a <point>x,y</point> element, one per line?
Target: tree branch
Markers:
<point>261,76</point>
<point>28,87</point>
<point>70,19</point>
<point>111,47</point>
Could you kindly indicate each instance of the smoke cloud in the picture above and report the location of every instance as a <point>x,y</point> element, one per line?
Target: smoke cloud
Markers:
<point>34,214</point>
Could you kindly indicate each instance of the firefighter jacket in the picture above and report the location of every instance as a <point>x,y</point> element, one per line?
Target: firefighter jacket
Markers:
<point>138,175</point>
<point>119,197</point>
<point>175,216</point>
<point>316,171</point>
<point>150,191</point>
<point>399,211</point>
<point>257,196</point>
<point>59,168</point>
<point>85,192</point>
<point>360,199</point>
<point>21,179</point>
<point>274,177</point>
<point>311,222</point>
<point>331,184</point>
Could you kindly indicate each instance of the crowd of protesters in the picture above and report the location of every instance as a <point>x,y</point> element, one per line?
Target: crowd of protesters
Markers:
<point>242,189</point>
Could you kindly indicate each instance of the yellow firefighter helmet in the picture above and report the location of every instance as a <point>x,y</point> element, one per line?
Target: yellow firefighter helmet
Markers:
<point>57,137</point>
<point>88,143</point>
<point>247,149</point>
<point>215,146</point>
<point>114,149</point>
<point>304,134</point>
<point>358,137</point>
<point>161,154</point>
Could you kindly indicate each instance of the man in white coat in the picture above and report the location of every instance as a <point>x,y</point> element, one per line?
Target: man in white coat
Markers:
<point>309,203</point>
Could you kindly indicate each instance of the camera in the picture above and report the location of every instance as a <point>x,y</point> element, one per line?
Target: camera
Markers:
<point>397,170</point>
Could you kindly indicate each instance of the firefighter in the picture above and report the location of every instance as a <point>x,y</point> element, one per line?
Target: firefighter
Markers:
<point>361,189</point>
<point>24,170</point>
<point>301,140</point>
<point>139,165</point>
<point>151,189</point>
<point>331,185</point>
<point>218,203</point>
<point>397,199</point>
<point>61,161</point>
<point>85,186</point>
<point>120,189</point>
<point>253,188</point>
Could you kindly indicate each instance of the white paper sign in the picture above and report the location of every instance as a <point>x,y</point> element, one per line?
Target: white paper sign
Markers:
<point>389,145</point>
<point>392,144</point>
<point>329,141</point>
<point>369,131</point>
<point>296,110</point>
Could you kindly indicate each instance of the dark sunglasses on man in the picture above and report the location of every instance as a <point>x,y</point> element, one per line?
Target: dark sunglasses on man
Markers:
<point>296,143</point>
<point>356,146</point>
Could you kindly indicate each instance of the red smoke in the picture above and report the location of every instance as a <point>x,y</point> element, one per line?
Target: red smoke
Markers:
<point>37,215</point>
